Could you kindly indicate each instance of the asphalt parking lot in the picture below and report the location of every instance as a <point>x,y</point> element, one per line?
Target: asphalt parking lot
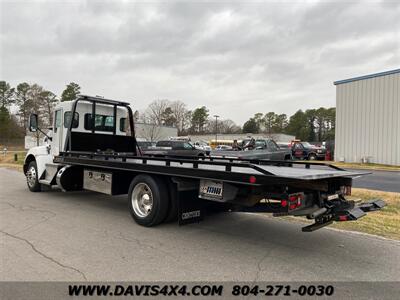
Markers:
<point>388,181</point>
<point>89,236</point>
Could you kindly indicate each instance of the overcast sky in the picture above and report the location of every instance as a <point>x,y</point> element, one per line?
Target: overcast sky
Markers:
<point>236,58</point>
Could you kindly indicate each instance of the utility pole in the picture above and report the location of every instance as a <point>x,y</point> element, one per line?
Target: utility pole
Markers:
<point>216,128</point>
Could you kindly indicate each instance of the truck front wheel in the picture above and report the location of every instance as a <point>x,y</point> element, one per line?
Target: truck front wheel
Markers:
<point>148,200</point>
<point>312,156</point>
<point>32,177</point>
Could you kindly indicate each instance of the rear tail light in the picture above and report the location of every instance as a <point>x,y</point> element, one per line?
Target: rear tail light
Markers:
<point>252,179</point>
<point>295,201</point>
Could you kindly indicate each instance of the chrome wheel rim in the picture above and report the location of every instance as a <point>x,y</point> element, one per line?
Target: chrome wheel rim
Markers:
<point>31,176</point>
<point>142,200</point>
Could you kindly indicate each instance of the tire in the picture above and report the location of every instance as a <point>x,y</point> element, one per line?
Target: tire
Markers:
<point>148,200</point>
<point>32,179</point>
<point>312,157</point>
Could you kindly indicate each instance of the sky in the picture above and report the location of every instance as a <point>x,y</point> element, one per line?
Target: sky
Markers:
<point>236,58</point>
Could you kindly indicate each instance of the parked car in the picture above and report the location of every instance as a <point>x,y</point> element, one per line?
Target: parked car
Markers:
<point>223,148</point>
<point>202,145</point>
<point>305,150</point>
<point>264,149</point>
<point>175,149</point>
<point>143,145</point>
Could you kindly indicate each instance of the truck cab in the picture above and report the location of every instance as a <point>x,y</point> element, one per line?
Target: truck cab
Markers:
<point>89,134</point>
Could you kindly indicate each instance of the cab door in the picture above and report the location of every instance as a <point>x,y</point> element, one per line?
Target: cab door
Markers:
<point>56,143</point>
<point>274,150</point>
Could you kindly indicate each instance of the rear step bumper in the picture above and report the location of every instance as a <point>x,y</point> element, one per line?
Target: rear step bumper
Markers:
<point>351,214</point>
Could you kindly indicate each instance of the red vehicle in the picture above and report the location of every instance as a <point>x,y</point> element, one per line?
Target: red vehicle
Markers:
<point>305,150</point>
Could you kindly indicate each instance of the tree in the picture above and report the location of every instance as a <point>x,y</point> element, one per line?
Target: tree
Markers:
<point>280,123</point>
<point>269,121</point>
<point>155,111</point>
<point>187,122</point>
<point>258,117</point>
<point>5,121</point>
<point>228,126</point>
<point>298,125</point>
<point>311,117</point>
<point>136,116</point>
<point>6,94</point>
<point>251,126</point>
<point>71,92</point>
<point>199,118</point>
<point>179,113</point>
<point>49,100</point>
<point>10,131</point>
<point>330,124</point>
<point>168,118</point>
<point>23,103</point>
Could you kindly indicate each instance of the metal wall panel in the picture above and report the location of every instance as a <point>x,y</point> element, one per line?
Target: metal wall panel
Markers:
<point>368,120</point>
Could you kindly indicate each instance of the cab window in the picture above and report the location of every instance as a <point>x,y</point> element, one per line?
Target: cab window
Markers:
<point>272,146</point>
<point>298,146</point>
<point>163,144</point>
<point>67,119</point>
<point>57,120</point>
<point>261,144</point>
<point>122,126</point>
<point>187,146</point>
<point>101,122</point>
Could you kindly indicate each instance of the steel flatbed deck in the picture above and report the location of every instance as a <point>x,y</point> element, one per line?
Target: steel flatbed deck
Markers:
<point>229,170</point>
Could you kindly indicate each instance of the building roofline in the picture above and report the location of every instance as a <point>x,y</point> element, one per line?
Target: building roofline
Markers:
<point>367,76</point>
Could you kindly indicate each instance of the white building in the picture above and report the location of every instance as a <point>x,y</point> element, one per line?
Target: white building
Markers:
<point>368,118</point>
<point>153,133</point>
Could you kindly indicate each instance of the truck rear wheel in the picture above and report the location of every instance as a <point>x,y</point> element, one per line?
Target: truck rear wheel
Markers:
<point>32,178</point>
<point>148,200</point>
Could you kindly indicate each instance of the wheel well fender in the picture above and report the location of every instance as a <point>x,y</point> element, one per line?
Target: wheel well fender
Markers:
<point>288,156</point>
<point>28,160</point>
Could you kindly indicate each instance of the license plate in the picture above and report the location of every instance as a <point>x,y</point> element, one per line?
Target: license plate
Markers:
<point>211,189</point>
<point>333,197</point>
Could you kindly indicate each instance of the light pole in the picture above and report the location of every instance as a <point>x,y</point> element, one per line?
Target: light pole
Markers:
<point>216,128</point>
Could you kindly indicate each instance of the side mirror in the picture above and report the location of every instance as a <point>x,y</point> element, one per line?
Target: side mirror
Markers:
<point>33,123</point>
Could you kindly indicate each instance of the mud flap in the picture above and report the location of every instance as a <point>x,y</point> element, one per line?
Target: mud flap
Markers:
<point>190,207</point>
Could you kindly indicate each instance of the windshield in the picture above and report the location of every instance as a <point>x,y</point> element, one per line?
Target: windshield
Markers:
<point>307,144</point>
<point>260,143</point>
<point>188,146</point>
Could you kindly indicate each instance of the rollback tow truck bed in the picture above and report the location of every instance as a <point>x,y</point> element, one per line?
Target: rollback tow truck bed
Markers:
<point>317,191</point>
